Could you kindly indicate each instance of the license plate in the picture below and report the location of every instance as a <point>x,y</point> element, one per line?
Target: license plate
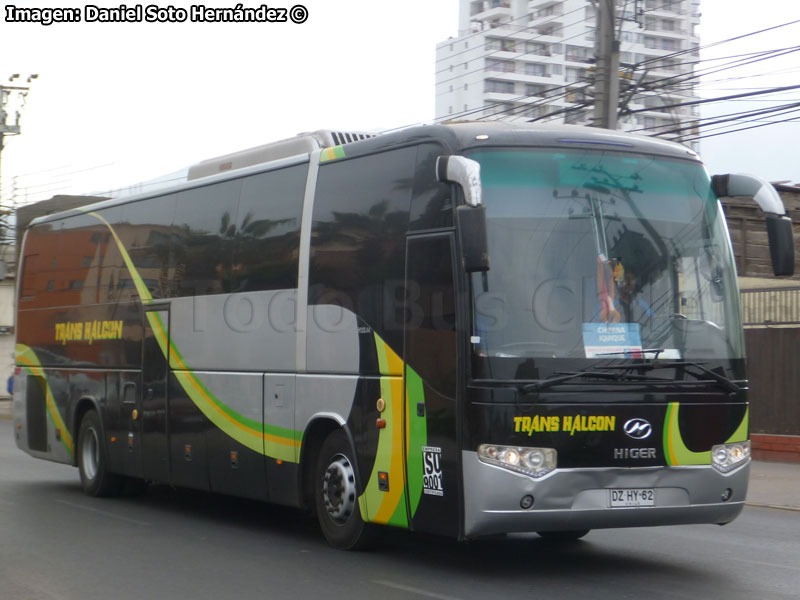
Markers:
<point>631,497</point>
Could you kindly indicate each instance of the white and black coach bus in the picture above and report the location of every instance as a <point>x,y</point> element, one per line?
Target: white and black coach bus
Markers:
<point>461,329</point>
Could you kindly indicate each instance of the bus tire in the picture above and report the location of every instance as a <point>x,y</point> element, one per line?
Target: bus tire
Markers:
<point>563,536</point>
<point>96,480</point>
<point>336,495</point>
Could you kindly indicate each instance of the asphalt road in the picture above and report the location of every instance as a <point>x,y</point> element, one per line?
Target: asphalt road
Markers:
<point>56,544</point>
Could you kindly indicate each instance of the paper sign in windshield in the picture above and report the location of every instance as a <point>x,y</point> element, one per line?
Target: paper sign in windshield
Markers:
<point>616,339</point>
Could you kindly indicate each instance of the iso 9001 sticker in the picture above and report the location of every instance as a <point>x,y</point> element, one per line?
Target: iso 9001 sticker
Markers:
<point>432,471</point>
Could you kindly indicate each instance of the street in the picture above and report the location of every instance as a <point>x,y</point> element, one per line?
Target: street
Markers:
<point>57,544</point>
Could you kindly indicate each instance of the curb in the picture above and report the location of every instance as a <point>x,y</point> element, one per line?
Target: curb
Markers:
<point>775,506</point>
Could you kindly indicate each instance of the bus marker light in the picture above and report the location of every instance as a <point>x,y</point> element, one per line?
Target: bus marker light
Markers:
<point>380,423</point>
<point>383,481</point>
<point>380,405</point>
<point>113,439</point>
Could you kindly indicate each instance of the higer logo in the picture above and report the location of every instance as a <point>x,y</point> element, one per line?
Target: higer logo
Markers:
<point>637,429</point>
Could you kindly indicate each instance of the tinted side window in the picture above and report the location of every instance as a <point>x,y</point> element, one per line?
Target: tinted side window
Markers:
<point>39,265</point>
<point>431,347</point>
<point>145,231</point>
<point>205,221</point>
<point>431,204</point>
<point>358,237</point>
<point>29,276</point>
<point>267,230</point>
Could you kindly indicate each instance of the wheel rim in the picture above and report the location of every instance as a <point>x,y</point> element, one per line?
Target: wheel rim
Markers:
<point>339,489</point>
<point>90,453</point>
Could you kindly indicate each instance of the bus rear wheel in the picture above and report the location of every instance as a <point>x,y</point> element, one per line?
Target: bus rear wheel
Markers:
<point>336,495</point>
<point>96,480</point>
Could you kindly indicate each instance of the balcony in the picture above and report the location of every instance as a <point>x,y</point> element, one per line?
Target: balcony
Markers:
<point>679,31</point>
<point>488,10</point>
<point>666,6</point>
<point>551,29</point>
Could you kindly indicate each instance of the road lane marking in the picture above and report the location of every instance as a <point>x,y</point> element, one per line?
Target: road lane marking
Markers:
<point>414,590</point>
<point>104,513</point>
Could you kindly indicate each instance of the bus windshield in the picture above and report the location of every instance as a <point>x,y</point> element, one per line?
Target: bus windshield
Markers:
<point>598,255</point>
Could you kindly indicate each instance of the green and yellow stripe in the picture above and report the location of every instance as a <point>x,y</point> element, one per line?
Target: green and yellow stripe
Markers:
<point>675,450</point>
<point>332,153</point>
<point>27,359</point>
<point>378,506</point>
<point>270,440</point>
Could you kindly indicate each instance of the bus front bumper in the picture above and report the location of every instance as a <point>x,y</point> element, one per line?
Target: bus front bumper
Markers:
<point>576,499</point>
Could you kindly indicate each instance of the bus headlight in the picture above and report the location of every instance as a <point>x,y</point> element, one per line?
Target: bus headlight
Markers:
<point>727,457</point>
<point>534,462</point>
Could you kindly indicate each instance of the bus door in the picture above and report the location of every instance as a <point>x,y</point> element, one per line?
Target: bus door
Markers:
<point>432,451</point>
<point>153,409</point>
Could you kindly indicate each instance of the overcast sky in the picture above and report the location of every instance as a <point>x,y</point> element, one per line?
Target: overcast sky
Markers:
<point>119,103</point>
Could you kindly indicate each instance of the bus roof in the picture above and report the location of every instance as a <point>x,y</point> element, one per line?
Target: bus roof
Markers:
<point>456,137</point>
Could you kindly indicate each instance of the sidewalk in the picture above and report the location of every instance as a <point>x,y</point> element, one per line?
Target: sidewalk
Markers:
<point>772,484</point>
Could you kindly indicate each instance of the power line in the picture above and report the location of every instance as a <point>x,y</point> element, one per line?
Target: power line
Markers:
<point>743,129</point>
<point>714,120</point>
<point>707,100</point>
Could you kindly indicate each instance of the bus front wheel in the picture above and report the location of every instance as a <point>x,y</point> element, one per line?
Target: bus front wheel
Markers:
<point>96,480</point>
<point>336,495</point>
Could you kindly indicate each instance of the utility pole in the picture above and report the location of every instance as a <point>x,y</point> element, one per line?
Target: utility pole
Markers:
<point>12,100</point>
<point>607,72</point>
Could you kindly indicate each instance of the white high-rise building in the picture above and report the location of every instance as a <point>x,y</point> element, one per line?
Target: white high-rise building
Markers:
<point>534,59</point>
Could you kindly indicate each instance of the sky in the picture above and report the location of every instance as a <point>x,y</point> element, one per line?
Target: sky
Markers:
<point>118,103</point>
<point>769,151</point>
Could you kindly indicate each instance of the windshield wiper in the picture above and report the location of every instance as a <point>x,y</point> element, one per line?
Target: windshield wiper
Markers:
<point>630,353</point>
<point>543,384</point>
<point>727,383</point>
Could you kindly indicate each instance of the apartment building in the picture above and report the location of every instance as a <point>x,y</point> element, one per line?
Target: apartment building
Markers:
<point>534,59</point>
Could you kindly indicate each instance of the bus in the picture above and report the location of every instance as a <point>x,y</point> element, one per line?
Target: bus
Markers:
<point>464,329</point>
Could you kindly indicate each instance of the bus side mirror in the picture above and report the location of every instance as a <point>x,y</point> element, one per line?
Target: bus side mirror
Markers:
<point>471,216</point>
<point>781,244</point>
<point>779,225</point>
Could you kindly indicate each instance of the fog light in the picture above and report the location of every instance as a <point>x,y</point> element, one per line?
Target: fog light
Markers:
<point>726,495</point>
<point>526,502</point>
